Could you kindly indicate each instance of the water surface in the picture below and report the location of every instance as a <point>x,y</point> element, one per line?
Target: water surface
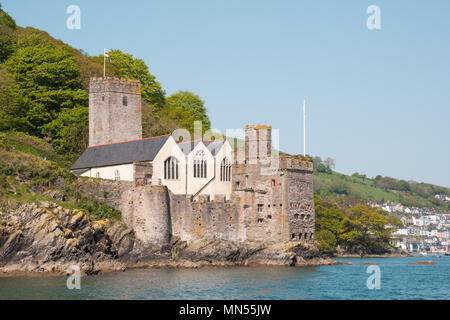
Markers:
<point>399,280</point>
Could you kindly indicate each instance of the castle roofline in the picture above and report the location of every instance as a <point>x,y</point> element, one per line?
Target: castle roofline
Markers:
<point>139,150</point>
<point>108,144</point>
<point>257,127</point>
<point>127,80</point>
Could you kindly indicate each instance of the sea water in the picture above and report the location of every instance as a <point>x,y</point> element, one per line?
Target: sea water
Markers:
<point>397,280</point>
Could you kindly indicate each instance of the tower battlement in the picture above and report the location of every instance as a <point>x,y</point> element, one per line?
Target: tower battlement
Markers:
<point>295,163</point>
<point>108,84</point>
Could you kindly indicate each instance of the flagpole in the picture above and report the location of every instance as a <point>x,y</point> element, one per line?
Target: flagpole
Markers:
<point>304,127</point>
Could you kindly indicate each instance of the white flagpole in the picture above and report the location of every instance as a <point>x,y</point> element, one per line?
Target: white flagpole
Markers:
<point>104,63</point>
<point>304,127</point>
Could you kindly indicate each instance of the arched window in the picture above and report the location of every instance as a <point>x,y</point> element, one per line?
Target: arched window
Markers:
<point>117,175</point>
<point>225,170</point>
<point>125,101</point>
<point>171,168</point>
<point>97,175</point>
<point>200,165</point>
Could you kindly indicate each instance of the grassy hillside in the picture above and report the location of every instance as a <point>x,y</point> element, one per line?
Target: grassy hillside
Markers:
<point>380,189</point>
<point>31,172</point>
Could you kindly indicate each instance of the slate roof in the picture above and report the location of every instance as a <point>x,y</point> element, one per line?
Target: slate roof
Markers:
<point>187,147</point>
<point>120,153</point>
<point>214,146</point>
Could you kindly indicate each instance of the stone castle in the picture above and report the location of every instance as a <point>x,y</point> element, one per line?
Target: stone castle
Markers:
<point>194,189</point>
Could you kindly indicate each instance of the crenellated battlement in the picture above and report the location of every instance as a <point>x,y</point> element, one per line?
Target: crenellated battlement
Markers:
<point>258,127</point>
<point>295,163</point>
<point>109,84</point>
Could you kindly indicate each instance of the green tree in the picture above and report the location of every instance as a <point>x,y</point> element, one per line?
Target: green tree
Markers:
<point>324,169</point>
<point>316,161</point>
<point>326,241</point>
<point>7,35</point>
<point>134,68</point>
<point>48,80</point>
<point>70,131</point>
<point>184,108</point>
<point>13,111</point>
<point>364,227</point>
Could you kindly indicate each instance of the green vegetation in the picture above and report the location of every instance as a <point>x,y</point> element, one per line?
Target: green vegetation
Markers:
<point>44,82</point>
<point>26,176</point>
<point>7,37</point>
<point>44,129</point>
<point>380,189</point>
<point>352,226</point>
<point>185,107</point>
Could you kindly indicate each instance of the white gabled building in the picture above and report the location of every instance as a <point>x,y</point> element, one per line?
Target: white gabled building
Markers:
<point>192,168</point>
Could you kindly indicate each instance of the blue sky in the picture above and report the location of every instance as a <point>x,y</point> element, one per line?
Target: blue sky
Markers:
<point>378,100</point>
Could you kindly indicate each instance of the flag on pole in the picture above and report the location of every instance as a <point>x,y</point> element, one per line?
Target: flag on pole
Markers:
<point>107,55</point>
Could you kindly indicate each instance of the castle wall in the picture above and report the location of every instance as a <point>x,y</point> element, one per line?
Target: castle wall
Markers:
<point>261,201</point>
<point>299,194</point>
<point>265,208</point>
<point>151,219</point>
<point>205,220</point>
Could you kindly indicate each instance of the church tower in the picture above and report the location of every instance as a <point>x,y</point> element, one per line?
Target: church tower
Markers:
<point>115,111</point>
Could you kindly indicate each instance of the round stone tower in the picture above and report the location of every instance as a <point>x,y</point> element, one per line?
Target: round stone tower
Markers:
<point>151,217</point>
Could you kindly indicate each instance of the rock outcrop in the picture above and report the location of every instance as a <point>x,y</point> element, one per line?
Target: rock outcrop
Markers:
<point>50,239</point>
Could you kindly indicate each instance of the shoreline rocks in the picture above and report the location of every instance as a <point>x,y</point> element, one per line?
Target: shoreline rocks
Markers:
<point>48,239</point>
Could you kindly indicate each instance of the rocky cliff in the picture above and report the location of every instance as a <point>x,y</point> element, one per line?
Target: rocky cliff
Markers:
<point>49,239</point>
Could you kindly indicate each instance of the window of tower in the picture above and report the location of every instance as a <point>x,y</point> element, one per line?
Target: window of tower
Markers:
<point>125,101</point>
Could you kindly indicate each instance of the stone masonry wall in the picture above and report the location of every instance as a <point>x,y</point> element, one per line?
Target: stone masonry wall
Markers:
<point>110,120</point>
<point>271,208</point>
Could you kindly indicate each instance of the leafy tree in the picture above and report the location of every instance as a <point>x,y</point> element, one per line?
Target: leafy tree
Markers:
<point>329,163</point>
<point>326,240</point>
<point>340,188</point>
<point>48,80</point>
<point>155,127</point>
<point>134,68</point>
<point>185,107</point>
<point>364,228</point>
<point>324,169</point>
<point>316,162</point>
<point>69,132</point>
<point>328,216</point>
<point>7,35</point>
<point>13,111</point>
